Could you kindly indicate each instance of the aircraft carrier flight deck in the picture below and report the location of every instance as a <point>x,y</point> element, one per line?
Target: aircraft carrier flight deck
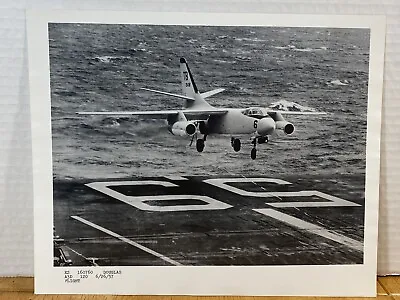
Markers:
<point>209,221</point>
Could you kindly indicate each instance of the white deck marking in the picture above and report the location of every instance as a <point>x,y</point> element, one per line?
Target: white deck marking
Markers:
<point>101,184</point>
<point>221,183</point>
<point>81,255</point>
<point>312,228</point>
<point>332,200</point>
<point>140,202</point>
<point>175,177</point>
<point>128,241</point>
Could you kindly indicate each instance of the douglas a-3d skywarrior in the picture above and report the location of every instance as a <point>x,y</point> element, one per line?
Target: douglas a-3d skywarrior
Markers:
<point>198,119</point>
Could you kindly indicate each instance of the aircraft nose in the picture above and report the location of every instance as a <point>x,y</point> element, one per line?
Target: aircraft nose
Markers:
<point>265,126</point>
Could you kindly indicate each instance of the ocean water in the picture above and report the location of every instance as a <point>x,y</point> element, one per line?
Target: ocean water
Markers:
<point>102,68</point>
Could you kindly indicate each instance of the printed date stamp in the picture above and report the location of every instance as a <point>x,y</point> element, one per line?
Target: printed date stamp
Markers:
<point>80,275</point>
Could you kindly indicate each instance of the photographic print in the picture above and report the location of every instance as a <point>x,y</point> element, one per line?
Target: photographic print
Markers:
<point>183,156</point>
<point>187,145</point>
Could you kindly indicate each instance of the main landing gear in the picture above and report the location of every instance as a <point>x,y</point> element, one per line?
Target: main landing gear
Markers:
<point>236,145</point>
<point>200,143</point>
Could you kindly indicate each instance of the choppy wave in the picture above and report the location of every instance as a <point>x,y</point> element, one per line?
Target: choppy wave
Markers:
<point>338,82</point>
<point>222,61</point>
<point>109,58</point>
<point>253,39</point>
<point>307,49</point>
<point>290,106</point>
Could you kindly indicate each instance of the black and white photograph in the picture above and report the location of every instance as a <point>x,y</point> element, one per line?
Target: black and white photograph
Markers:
<point>207,145</point>
<point>204,145</point>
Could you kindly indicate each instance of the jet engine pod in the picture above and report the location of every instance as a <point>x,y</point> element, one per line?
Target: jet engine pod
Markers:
<point>183,128</point>
<point>287,127</point>
<point>265,126</point>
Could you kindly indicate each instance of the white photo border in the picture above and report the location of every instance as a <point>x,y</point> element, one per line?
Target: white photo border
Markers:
<point>333,280</point>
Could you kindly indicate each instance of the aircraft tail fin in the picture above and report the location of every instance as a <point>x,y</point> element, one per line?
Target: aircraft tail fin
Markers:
<point>189,87</point>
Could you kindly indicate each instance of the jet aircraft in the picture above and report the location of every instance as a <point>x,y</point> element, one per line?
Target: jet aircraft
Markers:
<point>198,119</point>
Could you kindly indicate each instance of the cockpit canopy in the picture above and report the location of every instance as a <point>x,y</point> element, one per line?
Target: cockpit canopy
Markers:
<point>255,112</point>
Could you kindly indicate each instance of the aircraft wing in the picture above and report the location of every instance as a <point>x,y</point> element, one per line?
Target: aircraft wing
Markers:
<point>211,93</point>
<point>157,114</point>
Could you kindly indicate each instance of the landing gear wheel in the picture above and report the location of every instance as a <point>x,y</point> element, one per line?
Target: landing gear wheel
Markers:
<point>253,153</point>
<point>200,145</point>
<point>236,145</point>
<point>262,140</point>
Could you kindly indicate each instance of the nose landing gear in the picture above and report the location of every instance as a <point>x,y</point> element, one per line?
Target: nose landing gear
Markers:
<point>253,153</point>
<point>236,144</point>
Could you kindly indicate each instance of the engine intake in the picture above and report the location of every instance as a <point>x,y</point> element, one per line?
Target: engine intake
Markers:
<point>287,127</point>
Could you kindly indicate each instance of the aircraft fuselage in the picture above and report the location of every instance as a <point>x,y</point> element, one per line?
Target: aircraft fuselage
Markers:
<point>235,122</point>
